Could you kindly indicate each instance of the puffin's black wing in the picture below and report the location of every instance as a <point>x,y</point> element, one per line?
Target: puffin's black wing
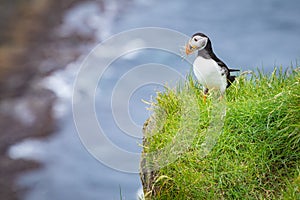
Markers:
<point>226,70</point>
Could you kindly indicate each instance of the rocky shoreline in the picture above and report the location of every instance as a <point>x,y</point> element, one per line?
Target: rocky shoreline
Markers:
<point>27,40</point>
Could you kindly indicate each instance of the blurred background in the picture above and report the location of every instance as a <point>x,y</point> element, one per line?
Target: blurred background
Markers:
<point>43,43</point>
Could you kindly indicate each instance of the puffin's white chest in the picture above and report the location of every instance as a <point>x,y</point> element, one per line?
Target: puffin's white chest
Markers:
<point>209,74</point>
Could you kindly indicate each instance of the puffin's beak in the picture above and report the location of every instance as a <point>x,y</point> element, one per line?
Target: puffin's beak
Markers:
<point>188,49</point>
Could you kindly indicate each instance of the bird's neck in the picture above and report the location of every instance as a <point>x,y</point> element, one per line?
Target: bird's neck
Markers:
<point>207,52</point>
<point>204,54</point>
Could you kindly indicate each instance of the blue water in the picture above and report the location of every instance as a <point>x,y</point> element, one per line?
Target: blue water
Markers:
<point>245,34</point>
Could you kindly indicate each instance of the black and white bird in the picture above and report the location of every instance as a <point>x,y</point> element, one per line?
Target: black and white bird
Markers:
<point>210,71</point>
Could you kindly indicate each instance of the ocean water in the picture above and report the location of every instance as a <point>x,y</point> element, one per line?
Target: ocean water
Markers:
<point>245,34</point>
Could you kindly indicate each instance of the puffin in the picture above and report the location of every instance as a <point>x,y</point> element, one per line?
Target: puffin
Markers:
<point>209,70</point>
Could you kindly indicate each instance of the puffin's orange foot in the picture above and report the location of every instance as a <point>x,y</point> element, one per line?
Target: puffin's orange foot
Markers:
<point>205,92</point>
<point>204,98</point>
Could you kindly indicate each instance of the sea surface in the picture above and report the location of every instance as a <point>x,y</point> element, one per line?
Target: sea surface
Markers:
<point>246,34</point>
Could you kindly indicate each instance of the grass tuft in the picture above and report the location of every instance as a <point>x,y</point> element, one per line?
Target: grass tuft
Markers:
<point>256,150</point>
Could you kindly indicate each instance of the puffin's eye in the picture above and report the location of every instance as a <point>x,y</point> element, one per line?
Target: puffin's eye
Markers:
<point>195,39</point>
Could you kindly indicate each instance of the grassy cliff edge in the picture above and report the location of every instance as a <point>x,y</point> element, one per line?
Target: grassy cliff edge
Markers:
<point>246,146</point>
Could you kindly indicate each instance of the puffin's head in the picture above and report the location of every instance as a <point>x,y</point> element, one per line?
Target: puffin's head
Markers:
<point>197,42</point>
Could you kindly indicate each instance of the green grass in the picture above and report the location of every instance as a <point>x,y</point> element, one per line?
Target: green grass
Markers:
<point>251,153</point>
